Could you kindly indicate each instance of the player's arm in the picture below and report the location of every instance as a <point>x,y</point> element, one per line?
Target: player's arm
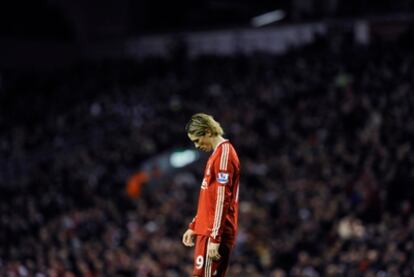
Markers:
<point>221,200</point>
<point>192,223</point>
<point>220,185</point>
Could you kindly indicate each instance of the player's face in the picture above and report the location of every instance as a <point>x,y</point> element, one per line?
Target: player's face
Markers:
<point>202,142</point>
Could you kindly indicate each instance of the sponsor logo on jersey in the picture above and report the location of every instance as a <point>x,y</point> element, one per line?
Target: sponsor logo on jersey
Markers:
<point>222,177</point>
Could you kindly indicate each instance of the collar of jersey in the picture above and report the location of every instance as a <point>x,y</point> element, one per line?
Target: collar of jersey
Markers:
<point>225,140</point>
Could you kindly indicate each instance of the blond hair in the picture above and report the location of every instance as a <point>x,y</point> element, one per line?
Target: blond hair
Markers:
<point>201,123</point>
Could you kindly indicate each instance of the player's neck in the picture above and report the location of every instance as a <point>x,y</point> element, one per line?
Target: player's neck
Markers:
<point>216,141</point>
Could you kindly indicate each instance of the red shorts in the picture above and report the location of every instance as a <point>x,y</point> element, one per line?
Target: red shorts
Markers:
<point>206,267</point>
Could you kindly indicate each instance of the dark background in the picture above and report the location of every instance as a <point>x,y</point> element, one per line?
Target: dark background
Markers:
<point>74,20</point>
<point>323,130</point>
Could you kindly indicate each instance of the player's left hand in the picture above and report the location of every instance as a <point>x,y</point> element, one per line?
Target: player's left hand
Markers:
<point>213,252</point>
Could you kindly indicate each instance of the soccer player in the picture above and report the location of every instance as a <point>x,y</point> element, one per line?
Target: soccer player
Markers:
<point>213,230</point>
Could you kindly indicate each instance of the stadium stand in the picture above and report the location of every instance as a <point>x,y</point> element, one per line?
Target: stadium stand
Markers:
<point>324,134</point>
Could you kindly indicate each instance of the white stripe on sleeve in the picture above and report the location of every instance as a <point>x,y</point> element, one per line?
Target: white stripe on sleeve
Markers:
<point>219,211</point>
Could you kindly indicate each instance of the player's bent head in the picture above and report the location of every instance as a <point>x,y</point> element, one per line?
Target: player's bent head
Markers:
<point>202,124</point>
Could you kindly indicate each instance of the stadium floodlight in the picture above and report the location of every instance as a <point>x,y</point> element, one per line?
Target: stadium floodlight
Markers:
<point>267,18</point>
<point>182,158</point>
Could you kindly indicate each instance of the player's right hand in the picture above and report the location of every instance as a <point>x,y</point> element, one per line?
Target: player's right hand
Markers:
<point>188,238</point>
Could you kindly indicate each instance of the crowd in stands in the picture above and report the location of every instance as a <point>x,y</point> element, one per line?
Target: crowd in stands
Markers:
<point>324,134</point>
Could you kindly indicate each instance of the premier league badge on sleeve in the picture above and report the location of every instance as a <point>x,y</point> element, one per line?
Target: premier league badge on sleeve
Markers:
<point>222,178</point>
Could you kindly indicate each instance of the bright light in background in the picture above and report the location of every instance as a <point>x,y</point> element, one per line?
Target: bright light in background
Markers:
<point>267,18</point>
<point>182,158</point>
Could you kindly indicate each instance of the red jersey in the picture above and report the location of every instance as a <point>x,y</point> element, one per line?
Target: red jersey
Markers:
<point>217,212</point>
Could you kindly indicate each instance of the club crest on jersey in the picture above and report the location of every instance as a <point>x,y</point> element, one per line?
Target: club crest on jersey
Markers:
<point>222,177</point>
